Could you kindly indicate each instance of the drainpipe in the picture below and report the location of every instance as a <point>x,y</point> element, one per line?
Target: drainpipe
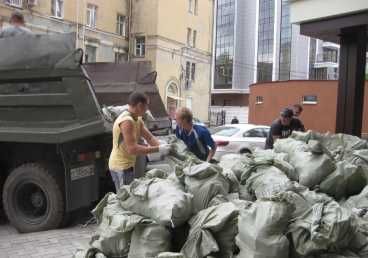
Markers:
<point>130,25</point>
<point>213,58</point>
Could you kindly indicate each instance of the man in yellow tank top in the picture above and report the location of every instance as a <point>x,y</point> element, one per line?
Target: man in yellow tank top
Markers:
<point>127,130</point>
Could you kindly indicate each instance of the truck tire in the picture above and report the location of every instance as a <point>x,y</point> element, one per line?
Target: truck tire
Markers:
<point>33,199</point>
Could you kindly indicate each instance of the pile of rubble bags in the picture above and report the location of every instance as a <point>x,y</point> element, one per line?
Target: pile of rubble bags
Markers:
<point>307,198</point>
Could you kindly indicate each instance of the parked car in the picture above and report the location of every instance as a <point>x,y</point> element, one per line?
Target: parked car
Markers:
<point>239,138</point>
<point>196,121</point>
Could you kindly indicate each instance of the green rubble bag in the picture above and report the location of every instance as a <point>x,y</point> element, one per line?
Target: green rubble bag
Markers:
<point>113,233</point>
<point>303,199</point>
<point>359,243</point>
<point>180,150</point>
<point>261,230</point>
<point>161,200</point>
<point>148,240</point>
<point>268,181</point>
<point>326,226</point>
<point>212,232</point>
<point>312,168</point>
<point>359,201</point>
<point>345,181</point>
<point>205,181</point>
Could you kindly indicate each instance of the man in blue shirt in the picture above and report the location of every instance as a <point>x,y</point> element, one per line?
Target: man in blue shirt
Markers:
<point>197,138</point>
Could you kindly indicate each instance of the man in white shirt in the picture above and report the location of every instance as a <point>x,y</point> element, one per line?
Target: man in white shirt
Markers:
<point>16,28</point>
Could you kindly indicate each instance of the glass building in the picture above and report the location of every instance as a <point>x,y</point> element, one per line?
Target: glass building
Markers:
<point>285,42</point>
<point>265,40</point>
<point>224,44</point>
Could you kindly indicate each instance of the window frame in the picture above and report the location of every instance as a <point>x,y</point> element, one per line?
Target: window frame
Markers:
<point>194,38</point>
<point>121,25</point>
<point>190,6</point>
<point>309,102</point>
<point>189,36</point>
<point>54,9</point>
<point>141,46</point>
<point>259,100</point>
<point>91,15</point>
<point>193,68</point>
<point>11,3</point>
<point>86,55</point>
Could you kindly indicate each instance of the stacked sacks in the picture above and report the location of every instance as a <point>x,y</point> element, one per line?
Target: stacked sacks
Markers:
<point>262,226</point>
<point>149,239</point>
<point>311,167</point>
<point>346,180</point>
<point>285,219</point>
<point>161,200</point>
<point>326,226</point>
<point>204,182</point>
<point>212,232</point>
<point>115,226</point>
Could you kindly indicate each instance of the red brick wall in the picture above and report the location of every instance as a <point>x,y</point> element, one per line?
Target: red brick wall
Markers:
<point>277,95</point>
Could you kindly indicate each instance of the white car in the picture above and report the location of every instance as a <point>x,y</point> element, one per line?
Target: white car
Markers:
<point>239,138</point>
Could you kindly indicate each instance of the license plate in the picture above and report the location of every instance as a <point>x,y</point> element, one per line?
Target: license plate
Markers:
<point>82,172</point>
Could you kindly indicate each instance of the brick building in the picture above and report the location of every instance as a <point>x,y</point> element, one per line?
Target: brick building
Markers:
<point>318,98</point>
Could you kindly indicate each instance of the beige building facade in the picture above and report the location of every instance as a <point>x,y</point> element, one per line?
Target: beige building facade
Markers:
<point>177,37</point>
<point>101,28</point>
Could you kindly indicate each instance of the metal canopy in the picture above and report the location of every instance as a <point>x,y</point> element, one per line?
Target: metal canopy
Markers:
<point>350,31</point>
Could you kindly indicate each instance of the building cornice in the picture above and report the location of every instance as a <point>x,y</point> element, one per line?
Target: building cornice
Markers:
<point>179,44</point>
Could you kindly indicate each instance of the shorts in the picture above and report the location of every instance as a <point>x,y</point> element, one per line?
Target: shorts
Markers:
<point>122,177</point>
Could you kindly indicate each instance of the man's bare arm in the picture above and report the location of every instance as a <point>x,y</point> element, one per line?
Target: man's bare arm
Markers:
<point>147,135</point>
<point>127,129</point>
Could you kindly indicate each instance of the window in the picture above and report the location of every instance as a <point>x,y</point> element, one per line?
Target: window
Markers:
<point>266,40</point>
<point>258,132</point>
<point>188,103</point>
<point>310,99</point>
<point>90,56</point>
<point>120,57</point>
<point>194,38</point>
<point>224,49</point>
<point>190,6</point>
<point>225,131</point>
<point>190,70</point>
<point>121,25</point>
<point>17,3</point>
<point>140,46</point>
<point>57,8</point>
<point>259,100</point>
<point>189,36</point>
<point>193,72</point>
<point>91,15</point>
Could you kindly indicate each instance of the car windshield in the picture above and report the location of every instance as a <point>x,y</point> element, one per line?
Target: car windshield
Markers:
<point>225,131</point>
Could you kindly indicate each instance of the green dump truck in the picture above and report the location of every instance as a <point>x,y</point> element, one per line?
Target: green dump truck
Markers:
<point>54,138</point>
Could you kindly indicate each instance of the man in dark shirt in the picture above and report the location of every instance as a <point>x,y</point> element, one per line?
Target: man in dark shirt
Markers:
<point>234,120</point>
<point>197,138</point>
<point>283,127</point>
<point>298,109</point>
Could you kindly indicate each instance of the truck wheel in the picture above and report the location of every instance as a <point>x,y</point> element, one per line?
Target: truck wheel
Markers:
<point>33,199</point>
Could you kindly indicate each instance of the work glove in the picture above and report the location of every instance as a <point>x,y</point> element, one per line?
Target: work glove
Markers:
<point>164,149</point>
